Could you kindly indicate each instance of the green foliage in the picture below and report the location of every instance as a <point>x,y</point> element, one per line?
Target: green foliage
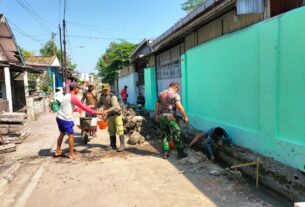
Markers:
<point>115,58</point>
<point>50,49</point>
<point>24,52</point>
<point>45,82</point>
<point>191,5</point>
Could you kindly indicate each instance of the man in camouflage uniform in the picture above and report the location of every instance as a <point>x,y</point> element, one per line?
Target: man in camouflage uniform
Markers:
<point>108,102</point>
<point>168,102</point>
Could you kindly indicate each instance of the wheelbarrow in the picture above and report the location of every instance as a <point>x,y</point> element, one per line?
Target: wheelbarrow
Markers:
<point>86,128</point>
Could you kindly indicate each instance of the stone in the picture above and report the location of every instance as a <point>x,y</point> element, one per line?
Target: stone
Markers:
<point>233,174</point>
<point>7,148</point>
<point>12,117</point>
<point>137,119</point>
<point>216,172</point>
<point>4,131</point>
<point>18,131</point>
<point>136,138</point>
<point>193,160</point>
<point>142,140</point>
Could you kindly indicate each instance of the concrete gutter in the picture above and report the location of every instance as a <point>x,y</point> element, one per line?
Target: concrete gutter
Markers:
<point>8,176</point>
<point>281,180</point>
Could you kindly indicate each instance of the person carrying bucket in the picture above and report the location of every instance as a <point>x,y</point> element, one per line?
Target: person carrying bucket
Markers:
<point>111,109</point>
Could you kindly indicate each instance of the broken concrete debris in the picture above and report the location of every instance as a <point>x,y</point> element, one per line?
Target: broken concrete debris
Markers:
<point>233,174</point>
<point>13,128</point>
<point>138,128</point>
<point>136,138</point>
<point>216,172</point>
<point>194,157</point>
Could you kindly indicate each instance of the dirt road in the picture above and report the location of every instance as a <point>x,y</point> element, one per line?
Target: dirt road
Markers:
<point>137,177</point>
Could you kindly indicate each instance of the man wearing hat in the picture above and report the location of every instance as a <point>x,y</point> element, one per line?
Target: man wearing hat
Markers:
<point>64,118</point>
<point>90,98</point>
<point>108,102</point>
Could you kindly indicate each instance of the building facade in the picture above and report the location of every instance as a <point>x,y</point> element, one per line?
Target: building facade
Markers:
<point>241,68</point>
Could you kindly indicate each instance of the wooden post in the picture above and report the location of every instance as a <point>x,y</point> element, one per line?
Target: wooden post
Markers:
<point>54,83</point>
<point>257,174</point>
<point>8,88</point>
<point>267,13</point>
<point>26,83</point>
<point>257,163</point>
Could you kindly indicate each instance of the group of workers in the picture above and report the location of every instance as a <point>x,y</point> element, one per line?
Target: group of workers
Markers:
<point>166,114</point>
<point>106,104</point>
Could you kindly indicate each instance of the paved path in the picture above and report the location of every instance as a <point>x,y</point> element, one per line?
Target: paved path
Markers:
<point>137,177</point>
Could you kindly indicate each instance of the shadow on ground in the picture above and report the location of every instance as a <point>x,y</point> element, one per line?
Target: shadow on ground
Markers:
<point>219,189</point>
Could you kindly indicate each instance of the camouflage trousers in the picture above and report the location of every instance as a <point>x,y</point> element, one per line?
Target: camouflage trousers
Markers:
<point>170,130</point>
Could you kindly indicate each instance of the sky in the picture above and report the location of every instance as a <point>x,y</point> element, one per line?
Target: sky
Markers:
<point>91,24</point>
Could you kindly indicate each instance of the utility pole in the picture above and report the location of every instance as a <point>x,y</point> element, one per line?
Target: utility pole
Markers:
<point>65,55</point>
<point>53,40</point>
<point>61,56</point>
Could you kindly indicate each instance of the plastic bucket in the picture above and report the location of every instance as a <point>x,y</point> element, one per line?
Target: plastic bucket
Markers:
<point>102,124</point>
<point>55,106</point>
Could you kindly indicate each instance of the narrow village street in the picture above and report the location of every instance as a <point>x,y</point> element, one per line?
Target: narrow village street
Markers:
<point>136,177</point>
<point>183,103</point>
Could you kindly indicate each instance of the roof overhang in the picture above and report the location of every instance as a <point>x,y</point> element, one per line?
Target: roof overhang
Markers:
<point>137,54</point>
<point>22,68</point>
<point>209,11</point>
<point>8,42</point>
<point>40,65</point>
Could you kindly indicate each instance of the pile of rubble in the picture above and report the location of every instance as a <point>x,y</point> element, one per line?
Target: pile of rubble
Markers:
<point>13,128</point>
<point>194,157</point>
<point>138,128</point>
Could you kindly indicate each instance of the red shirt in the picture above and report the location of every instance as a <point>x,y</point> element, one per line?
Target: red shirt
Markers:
<point>124,94</point>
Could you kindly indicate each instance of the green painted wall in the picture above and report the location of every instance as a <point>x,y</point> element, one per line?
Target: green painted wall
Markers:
<point>150,82</point>
<point>252,82</point>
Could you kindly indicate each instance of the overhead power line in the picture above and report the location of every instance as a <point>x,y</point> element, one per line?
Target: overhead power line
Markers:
<point>70,48</point>
<point>97,28</point>
<point>104,38</point>
<point>44,24</point>
<point>22,32</point>
<point>39,16</point>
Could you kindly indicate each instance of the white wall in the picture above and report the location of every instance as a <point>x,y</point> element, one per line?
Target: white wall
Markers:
<point>130,81</point>
<point>86,77</point>
<point>56,62</point>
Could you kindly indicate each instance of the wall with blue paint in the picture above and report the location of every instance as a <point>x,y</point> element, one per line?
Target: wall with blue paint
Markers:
<point>252,83</point>
<point>150,83</point>
<point>58,77</point>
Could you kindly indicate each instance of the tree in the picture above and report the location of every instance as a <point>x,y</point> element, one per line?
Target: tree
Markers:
<point>116,56</point>
<point>191,5</point>
<point>50,49</point>
<point>24,52</point>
